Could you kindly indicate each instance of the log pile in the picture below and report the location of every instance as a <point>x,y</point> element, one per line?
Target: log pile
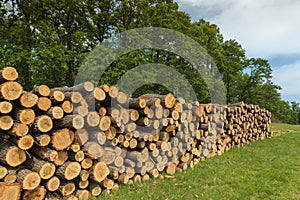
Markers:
<point>81,141</point>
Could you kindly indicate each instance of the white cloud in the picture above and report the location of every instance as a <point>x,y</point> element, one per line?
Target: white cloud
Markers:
<point>288,77</point>
<point>265,28</point>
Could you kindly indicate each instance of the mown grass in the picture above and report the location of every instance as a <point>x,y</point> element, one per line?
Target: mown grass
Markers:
<point>268,169</point>
<point>284,127</point>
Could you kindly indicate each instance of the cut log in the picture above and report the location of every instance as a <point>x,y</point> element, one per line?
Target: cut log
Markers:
<point>70,197</point>
<point>87,86</point>
<point>93,119</point>
<point>42,123</point>
<point>137,103</point>
<point>108,156</point>
<point>83,194</point>
<point>123,178</point>
<point>38,193</point>
<point>119,161</point>
<point>74,97</point>
<point>99,94</point>
<point>102,111</point>
<point>29,179</point>
<point>79,156</point>
<point>11,155</point>
<point>113,92</point>
<point>108,183</point>
<point>56,112</point>
<point>25,142</point>
<point>69,170</point>
<point>45,169</point>
<point>75,147</point>
<point>143,121</point>
<point>67,188</point>
<point>99,172</point>
<point>82,184</point>
<point>11,90</point>
<point>81,136</point>
<point>87,163</point>
<point>111,133</point>
<point>53,184</point>
<point>28,99</point>
<point>130,127</point>
<point>44,103</point>
<point>81,88</point>
<point>46,153</point>
<point>11,176</point>
<point>3,172</point>
<point>67,106</point>
<point>62,157</point>
<point>134,115</point>
<point>167,100</point>
<point>95,188</point>
<point>81,110</point>
<point>5,107</point>
<point>62,139</point>
<point>124,115</point>
<point>121,98</point>
<point>18,129</point>
<point>84,175</point>
<point>25,116</point>
<point>100,137</point>
<point>71,122</point>
<point>105,88</point>
<point>10,191</point>
<point>6,122</point>
<point>93,150</point>
<point>56,97</point>
<point>171,168</point>
<point>8,74</point>
<point>42,90</point>
<point>105,123</point>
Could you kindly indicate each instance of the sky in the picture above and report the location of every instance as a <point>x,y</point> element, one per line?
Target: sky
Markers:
<point>268,29</point>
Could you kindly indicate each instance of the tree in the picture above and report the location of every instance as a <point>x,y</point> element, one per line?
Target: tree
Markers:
<point>296,109</point>
<point>47,40</point>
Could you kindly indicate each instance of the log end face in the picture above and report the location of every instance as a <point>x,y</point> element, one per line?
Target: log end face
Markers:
<point>100,171</point>
<point>15,156</point>
<point>44,90</point>
<point>25,142</point>
<point>47,170</point>
<point>44,123</point>
<point>31,181</point>
<point>38,193</point>
<point>11,90</point>
<point>10,74</point>
<point>27,116</point>
<point>72,170</point>
<point>5,107</point>
<point>28,99</point>
<point>53,184</point>
<point>6,122</point>
<point>10,191</point>
<point>62,139</point>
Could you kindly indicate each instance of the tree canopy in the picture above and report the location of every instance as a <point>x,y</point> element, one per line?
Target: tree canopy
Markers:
<point>47,40</point>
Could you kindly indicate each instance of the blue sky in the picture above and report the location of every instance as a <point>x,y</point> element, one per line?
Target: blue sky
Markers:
<point>268,29</point>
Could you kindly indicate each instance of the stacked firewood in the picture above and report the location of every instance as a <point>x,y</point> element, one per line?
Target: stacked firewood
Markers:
<point>244,123</point>
<point>81,141</point>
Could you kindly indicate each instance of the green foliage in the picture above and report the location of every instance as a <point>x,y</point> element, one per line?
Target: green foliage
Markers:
<point>47,41</point>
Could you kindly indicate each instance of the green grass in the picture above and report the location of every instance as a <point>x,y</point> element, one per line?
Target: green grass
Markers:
<point>284,127</point>
<point>268,169</point>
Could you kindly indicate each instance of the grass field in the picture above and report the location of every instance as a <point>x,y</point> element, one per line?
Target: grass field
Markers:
<point>284,127</point>
<point>268,169</point>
